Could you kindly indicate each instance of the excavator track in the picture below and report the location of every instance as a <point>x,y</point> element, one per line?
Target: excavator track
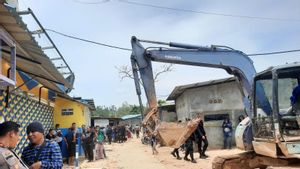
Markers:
<point>251,160</point>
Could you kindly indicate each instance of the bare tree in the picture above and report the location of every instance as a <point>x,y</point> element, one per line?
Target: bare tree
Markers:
<point>125,71</point>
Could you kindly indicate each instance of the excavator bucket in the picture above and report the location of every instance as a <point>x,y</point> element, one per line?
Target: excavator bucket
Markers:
<point>171,134</point>
<point>175,134</point>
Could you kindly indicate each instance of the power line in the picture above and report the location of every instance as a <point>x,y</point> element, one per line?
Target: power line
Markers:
<point>207,13</point>
<point>274,53</point>
<point>127,49</point>
<point>88,41</point>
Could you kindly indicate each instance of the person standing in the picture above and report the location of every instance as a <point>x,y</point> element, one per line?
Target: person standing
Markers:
<point>83,140</point>
<point>202,138</point>
<point>41,153</point>
<point>109,133</point>
<point>70,140</point>
<point>227,131</point>
<point>153,142</point>
<point>9,136</point>
<point>59,136</point>
<point>89,144</point>
<point>114,134</point>
<point>137,131</point>
<point>51,135</point>
<point>100,152</point>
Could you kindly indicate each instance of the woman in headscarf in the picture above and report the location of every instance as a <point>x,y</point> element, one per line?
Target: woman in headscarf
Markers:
<point>100,152</point>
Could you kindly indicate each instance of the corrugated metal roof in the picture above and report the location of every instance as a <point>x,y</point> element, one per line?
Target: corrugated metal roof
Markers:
<point>131,116</point>
<point>27,47</point>
<point>178,90</point>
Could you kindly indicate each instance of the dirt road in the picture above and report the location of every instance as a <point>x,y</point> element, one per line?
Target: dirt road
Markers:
<point>134,155</point>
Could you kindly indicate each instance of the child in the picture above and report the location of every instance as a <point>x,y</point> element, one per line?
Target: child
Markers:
<point>154,143</point>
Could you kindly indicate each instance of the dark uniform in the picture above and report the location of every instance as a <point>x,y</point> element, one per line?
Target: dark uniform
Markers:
<point>9,160</point>
<point>201,137</point>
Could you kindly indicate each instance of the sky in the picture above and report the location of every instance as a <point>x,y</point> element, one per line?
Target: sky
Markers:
<point>115,22</point>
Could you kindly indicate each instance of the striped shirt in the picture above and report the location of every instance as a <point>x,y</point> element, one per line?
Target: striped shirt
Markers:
<point>50,155</point>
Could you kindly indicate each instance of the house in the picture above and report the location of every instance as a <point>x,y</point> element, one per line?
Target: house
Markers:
<point>69,110</point>
<point>214,100</point>
<point>104,121</point>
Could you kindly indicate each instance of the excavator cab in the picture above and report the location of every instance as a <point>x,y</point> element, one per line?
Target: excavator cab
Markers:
<point>277,132</point>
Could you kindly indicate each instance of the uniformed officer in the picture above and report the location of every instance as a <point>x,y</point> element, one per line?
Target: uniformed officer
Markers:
<point>9,135</point>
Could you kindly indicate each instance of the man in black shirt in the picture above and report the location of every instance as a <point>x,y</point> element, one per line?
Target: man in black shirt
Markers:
<point>201,137</point>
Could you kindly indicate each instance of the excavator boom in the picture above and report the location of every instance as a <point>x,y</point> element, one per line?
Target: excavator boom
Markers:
<point>234,62</point>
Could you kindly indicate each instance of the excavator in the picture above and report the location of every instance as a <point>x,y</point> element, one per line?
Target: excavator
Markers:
<point>269,135</point>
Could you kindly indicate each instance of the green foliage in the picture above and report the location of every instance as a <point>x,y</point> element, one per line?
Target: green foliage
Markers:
<point>113,111</point>
<point>161,102</point>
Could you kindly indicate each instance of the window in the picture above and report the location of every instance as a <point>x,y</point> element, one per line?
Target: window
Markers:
<point>66,112</point>
<point>214,117</point>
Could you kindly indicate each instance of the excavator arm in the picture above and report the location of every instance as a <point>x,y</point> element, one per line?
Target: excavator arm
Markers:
<point>234,62</point>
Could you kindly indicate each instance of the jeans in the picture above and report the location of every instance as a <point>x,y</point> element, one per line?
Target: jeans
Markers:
<point>200,148</point>
<point>227,142</point>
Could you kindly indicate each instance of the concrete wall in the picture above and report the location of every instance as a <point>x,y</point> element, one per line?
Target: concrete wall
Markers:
<point>167,116</point>
<point>222,98</point>
<point>182,107</point>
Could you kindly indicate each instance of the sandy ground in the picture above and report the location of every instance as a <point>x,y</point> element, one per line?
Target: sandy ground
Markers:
<point>134,155</point>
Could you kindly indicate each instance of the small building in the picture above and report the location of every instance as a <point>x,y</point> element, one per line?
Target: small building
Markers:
<point>132,119</point>
<point>68,110</point>
<point>214,100</point>
<point>104,121</point>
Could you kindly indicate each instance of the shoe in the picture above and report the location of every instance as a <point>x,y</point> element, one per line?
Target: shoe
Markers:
<point>173,153</point>
<point>194,161</point>
<point>203,157</point>
<point>179,158</point>
<point>186,159</point>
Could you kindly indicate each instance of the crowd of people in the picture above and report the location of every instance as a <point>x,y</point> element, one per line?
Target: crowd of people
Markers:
<point>94,138</point>
<point>45,151</point>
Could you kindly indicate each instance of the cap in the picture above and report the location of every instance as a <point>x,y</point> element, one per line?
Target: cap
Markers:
<point>35,127</point>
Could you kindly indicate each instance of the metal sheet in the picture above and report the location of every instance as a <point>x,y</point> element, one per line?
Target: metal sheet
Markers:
<point>28,47</point>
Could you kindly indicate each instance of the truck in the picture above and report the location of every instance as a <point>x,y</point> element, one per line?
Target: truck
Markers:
<point>269,135</point>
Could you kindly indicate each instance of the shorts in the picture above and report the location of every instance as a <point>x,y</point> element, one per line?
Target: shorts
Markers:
<point>71,149</point>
